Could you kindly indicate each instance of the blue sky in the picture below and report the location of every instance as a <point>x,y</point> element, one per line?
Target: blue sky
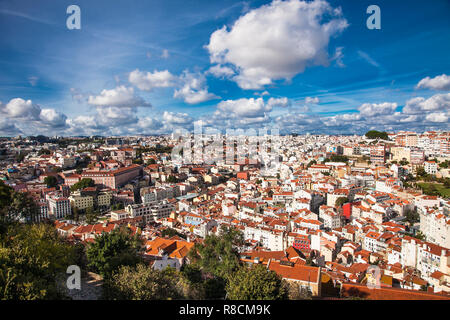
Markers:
<point>151,67</point>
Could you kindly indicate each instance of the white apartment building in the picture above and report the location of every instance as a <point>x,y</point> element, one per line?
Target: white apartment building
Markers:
<point>150,211</point>
<point>435,225</point>
<point>59,207</point>
<point>430,167</point>
<point>271,239</point>
<point>330,219</point>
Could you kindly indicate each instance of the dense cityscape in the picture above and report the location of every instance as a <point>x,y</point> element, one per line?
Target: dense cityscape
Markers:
<point>224,158</point>
<point>331,210</point>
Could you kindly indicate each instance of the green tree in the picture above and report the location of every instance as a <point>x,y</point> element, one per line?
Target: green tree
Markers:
<point>255,283</point>
<point>44,151</point>
<point>141,282</point>
<point>172,232</point>
<point>91,216</point>
<point>32,257</point>
<point>374,134</point>
<point>412,216</point>
<point>420,171</point>
<point>112,250</point>
<point>22,206</point>
<point>51,181</point>
<point>171,179</point>
<point>447,183</point>
<point>217,257</point>
<point>83,183</point>
<point>6,194</point>
<point>311,163</point>
<point>218,254</point>
<point>341,201</point>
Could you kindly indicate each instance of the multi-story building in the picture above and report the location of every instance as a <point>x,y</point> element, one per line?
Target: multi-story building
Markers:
<point>430,167</point>
<point>151,211</point>
<point>435,225</point>
<point>81,202</point>
<point>59,207</point>
<point>113,178</point>
<point>378,154</point>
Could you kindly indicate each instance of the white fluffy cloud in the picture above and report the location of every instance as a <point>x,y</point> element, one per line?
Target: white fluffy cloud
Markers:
<point>53,117</point>
<point>248,108</point>
<point>20,108</point>
<point>437,117</point>
<point>221,71</point>
<point>277,41</point>
<point>418,105</point>
<point>24,116</point>
<point>177,118</point>
<point>118,97</point>
<point>193,89</point>
<point>148,80</point>
<point>441,82</point>
<point>278,102</point>
<point>374,109</point>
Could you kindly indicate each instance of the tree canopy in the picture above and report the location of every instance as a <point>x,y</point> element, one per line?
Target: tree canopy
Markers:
<point>217,258</point>
<point>83,183</point>
<point>341,201</point>
<point>141,282</point>
<point>31,258</point>
<point>112,250</point>
<point>374,134</point>
<point>255,283</point>
<point>51,181</point>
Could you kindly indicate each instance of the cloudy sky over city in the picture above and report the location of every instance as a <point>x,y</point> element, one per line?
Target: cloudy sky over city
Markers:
<point>150,67</point>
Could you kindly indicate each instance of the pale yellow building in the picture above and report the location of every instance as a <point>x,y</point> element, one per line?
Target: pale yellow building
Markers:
<point>81,202</point>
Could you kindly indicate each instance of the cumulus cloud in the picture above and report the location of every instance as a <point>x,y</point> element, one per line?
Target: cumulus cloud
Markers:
<point>248,108</point>
<point>53,117</point>
<point>435,103</point>
<point>193,89</point>
<point>148,123</point>
<point>177,118</point>
<point>220,71</point>
<point>24,116</point>
<point>20,108</point>
<point>298,37</point>
<point>148,80</point>
<point>437,117</point>
<point>8,128</point>
<point>118,97</point>
<point>374,109</point>
<point>278,102</point>
<point>441,82</point>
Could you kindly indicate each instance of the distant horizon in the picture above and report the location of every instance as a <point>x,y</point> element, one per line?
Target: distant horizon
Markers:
<point>191,132</point>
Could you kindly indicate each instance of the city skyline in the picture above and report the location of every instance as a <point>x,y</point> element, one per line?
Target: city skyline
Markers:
<point>151,68</point>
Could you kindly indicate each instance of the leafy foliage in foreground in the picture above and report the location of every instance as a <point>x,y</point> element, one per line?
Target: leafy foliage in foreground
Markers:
<point>142,283</point>
<point>31,258</point>
<point>112,250</point>
<point>255,283</point>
